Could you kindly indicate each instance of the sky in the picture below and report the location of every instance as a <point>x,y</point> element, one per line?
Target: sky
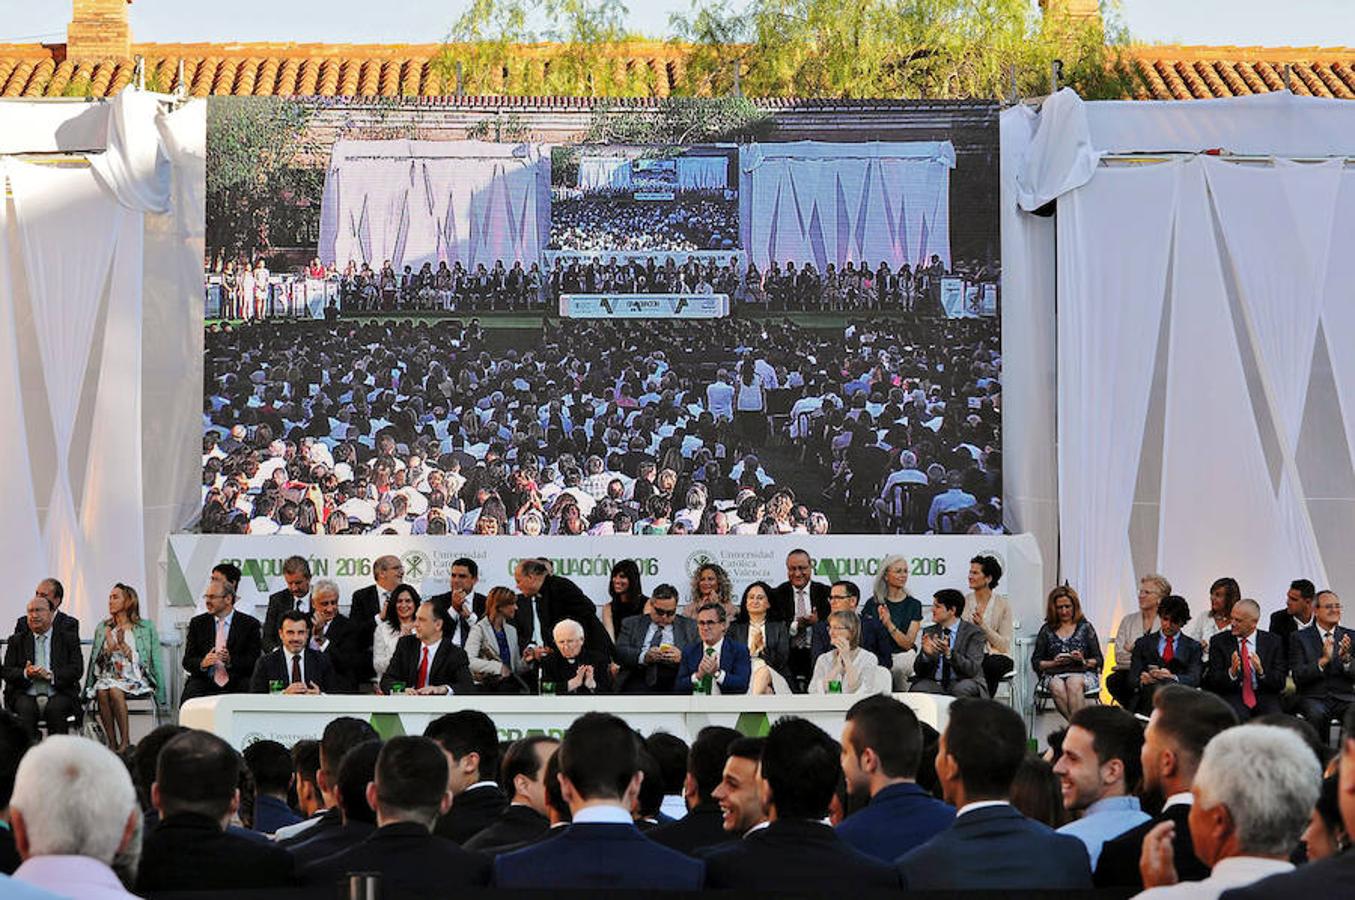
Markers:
<point>1242,22</point>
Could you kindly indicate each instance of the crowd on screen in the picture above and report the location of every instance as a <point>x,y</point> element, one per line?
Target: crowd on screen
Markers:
<point>614,221</point>
<point>599,428</point>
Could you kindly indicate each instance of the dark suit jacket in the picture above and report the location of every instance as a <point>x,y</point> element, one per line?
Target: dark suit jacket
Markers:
<point>1328,879</point>
<point>363,609</point>
<point>472,811</point>
<point>1187,659</point>
<point>344,651</point>
<point>899,818</point>
<point>243,642</point>
<point>874,637</point>
<point>477,606</point>
<point>329,842</point>
<point>1222,646</point>
<point>9,853</point>
<point>191,852</point>
<point>559,670</point>
<point>783,601</point>
<point>599,856</point>
<point>734,660</point>
<point>630,643</point>
<point>276,666</point>
<point>1118,865</point>
<point>409,859</point>
<point>1337,680</point>
<point>703,826</point>
<point>796,855</point>
<point>966,656</point>
<point>327,822</point>
<point>559,598</point>
<point>1283,626</point>
<point>59,621</point>
<point>65,662</point>
<point>278,603</point>
<point>1016,854</point>
<point>270,814</point>
<point>515,826</point>
<point>777,651</point>
<point>449,666</point>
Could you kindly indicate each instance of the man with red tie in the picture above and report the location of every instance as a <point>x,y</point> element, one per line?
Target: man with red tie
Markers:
<point>1247,666</point>
<point>424,663</point>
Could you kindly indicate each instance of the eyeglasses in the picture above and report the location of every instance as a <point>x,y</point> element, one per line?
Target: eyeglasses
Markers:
<point>665,613</point>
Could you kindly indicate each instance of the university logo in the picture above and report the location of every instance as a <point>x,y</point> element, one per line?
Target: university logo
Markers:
<point>417,566</point>
<point>698,558</point>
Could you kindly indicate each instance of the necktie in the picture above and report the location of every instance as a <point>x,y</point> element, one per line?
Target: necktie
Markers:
<point>219,671</point>
<point>1168,654</point>
<point>1248,692</point>
<point>658,637</point>
<point>296,668</point>
<point>421,680</point>
<point>42,657</point>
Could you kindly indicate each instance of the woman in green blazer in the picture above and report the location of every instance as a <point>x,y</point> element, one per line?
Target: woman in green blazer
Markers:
<point>124,662</point>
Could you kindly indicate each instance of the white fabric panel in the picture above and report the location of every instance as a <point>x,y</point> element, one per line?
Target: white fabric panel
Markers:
<point>133,168</point>
<point>706,173</point>
<point>609,173</point>
<point>1110,307</point>
<point>1338,311</point>
<point>53,126</point>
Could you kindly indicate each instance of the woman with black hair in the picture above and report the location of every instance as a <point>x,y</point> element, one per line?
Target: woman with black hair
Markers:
<point>991,612</point>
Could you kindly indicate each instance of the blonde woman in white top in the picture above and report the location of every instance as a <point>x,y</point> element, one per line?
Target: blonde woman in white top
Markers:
<point>993,615</point>
<point>1223,593</point>
<point>1152,589</point>
<point>847,663</point>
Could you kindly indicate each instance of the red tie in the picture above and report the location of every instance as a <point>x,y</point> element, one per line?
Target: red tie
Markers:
<point>1248,692</point>
<point>421,680</point>
<point>1168,654</point>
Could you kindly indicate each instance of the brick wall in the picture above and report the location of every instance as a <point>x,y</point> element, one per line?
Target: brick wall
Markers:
<point>99,29</point>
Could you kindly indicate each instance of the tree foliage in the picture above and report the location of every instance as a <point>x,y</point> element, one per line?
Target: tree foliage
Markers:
<point>680,120</point>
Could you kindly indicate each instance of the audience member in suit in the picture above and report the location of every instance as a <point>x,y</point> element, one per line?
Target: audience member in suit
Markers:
<point>52,591</point>
<point>724,662</point>
<point>463,603</point>
<point>1254,793</point>
<point>526,818</point>
<point>649,647</point>
<point>1323,666</point>
<point>336,636</point>
<point>368,603</point>
<point>296,575</point>
<point>409,792</point>
<point>881,753</point>
<point>801,604</point>
<point>767,640</point>
<point>797,851</point>
<point>1167,656</point>
<point>575,668</point>
<point>357,818</point>
<point>195,792</point>
<point>14,743</point>
<point>270,764</point>
<point>739,793</point>
<point>221,648</point>
<point>845,596</point>
<point>294,664</point>
<point>950,658</point>
<point>1099,767</point>
<point>472,743</point>
<point>42,662</point>
<point>602,848</point>
<point>1299,608</point>
<point>990,846</point>
<point>703,826</point>
<point>495,655</point>
<point>340,736</point>
<point>546,600</point>
<point>648,802</point>
<point>424,662</point>
<point>1182,723</point>
<point>1250,682</point>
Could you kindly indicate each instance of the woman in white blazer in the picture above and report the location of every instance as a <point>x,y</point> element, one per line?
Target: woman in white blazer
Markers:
<point>492,645</point>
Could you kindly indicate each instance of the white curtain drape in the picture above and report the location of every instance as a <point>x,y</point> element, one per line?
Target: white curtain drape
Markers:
<point>604,173</point>
<point>702,173</point>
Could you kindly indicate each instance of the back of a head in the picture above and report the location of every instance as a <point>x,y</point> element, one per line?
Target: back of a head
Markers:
<point>1268,779</point>
<point>1190,718</point>
<point>340,736</point>
<point>706,759</point>
<point>987,740</point>
<point>1035,792</point>
<point>197,772</point>
<point>555,798</point>
<point>75,798</point>
<point>411,779</point>
<point>271,765</point>
<point>801,764</point>
<point>468,731</point>
<point>670,752</point>
<point>357,770</point>
<point>600,756</point>
<point>891,729</point>
<point>14,743</point>
<point>306,760</point>
<point>1116,734</point>
<point>650,798</point>
<point>146,757</point>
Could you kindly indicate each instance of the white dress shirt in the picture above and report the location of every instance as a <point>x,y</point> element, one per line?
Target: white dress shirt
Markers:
<point>1233,872</point>
<point>72,876</point>
<point>603,814</point>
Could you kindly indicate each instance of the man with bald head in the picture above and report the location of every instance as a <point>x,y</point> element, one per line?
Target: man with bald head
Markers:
<point>1246,665</point>
<point>51,590</point>
<point>368,603</point>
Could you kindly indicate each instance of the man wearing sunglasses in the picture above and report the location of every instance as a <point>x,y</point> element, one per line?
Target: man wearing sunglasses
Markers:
<point>649,647</point>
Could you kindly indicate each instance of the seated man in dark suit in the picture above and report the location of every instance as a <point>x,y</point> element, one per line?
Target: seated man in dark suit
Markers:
<point>526,819</point>
<point>575,668</point>
<point>271,767</point>
<point>703,826</point>
<point>990,846</point>
<point>881,752</point>
<point>51,590</point>
<point>649,648</point>
<point>336,636</point>
<point>714,664</point>
<point>42,671</point>
<point>409,792</point>
<point>950,656</point>
<point>845,596</point>
<point>1299,603</point>
<point>1250,681</point>
<point>195,792</point>
<point>1184,720</point>
<point>472,743</point>
<point>800,769</point>
<point>424,662</point>
<point>357,819</point>
<point>296,576</point>
<point>294,664</point>
<point>463,603</point>
<point>1323,665</point>
<point>801,604</point>
<point>222,646</point>
<point>1165,656</point>
<point>599,778</point>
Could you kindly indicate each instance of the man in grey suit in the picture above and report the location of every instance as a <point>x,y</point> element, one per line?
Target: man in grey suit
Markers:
<point>649,648</point>
<point>1322,660</point>
<point>950,660</point>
